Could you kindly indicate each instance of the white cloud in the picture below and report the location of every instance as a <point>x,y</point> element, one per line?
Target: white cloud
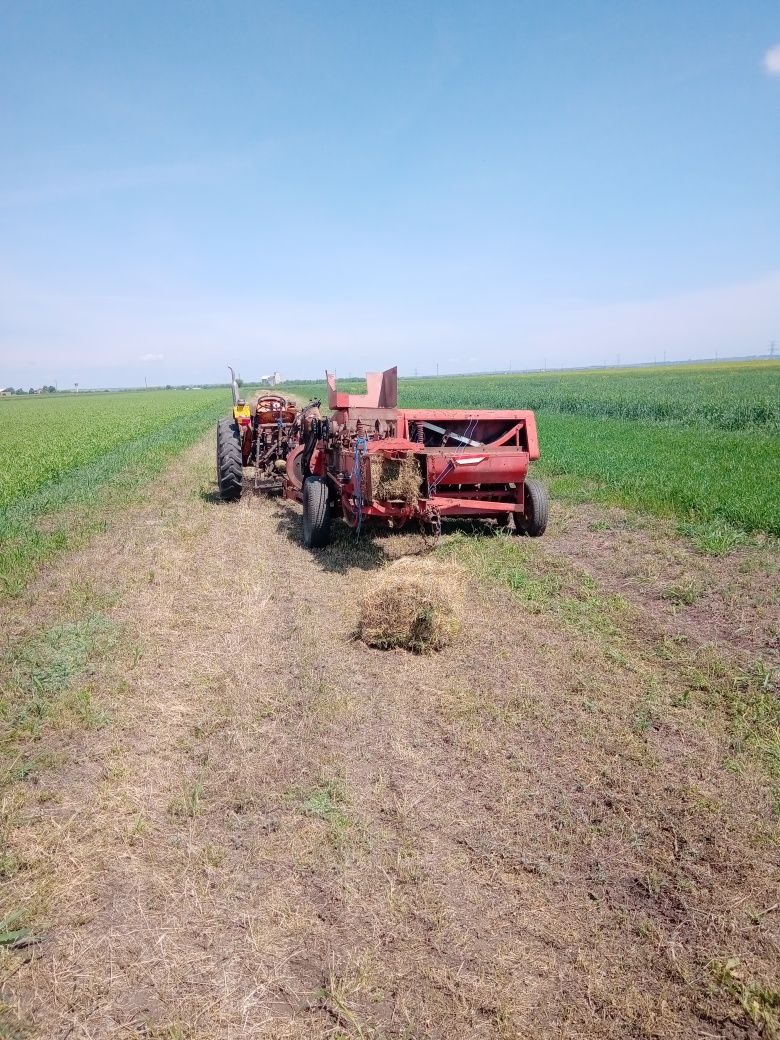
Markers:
<point>772,60</point>
<point>152,357</point>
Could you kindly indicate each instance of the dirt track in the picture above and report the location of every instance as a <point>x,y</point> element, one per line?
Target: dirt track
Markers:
<point>547,830</point>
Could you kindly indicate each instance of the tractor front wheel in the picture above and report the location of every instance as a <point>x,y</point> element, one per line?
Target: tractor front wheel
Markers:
<point>230,471</point>
<point>533,520</point>
<point>316,513</point>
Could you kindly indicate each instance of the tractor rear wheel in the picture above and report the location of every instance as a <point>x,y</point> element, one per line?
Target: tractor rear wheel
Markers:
<point>316,513</point>
<point>533,520</point>
<point>230,471</point>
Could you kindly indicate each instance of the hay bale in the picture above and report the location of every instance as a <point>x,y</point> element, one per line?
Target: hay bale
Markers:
<point>395,479</point>
<point>413,604</point>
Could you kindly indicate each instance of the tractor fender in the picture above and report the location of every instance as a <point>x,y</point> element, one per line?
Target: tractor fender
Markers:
<point>295,464</point>
<point>295,468</point>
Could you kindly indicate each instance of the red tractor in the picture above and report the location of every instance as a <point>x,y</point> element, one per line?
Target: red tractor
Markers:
<point>261,436</point>
<point>370,460</point>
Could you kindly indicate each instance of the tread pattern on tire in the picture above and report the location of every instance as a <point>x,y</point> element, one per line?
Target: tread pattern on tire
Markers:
<point>536,524</point>
<point>230,469</point>
<point>316,513</point>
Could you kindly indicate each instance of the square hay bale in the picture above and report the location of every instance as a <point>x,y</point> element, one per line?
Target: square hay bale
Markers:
<point>414,604</point>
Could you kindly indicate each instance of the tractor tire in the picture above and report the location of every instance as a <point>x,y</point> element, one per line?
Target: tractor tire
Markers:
<point>230,467</point>
<point>533,521</point>
<point>316,513</point>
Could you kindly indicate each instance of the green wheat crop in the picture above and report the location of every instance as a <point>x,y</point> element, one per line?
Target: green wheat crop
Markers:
<point>62,455</point>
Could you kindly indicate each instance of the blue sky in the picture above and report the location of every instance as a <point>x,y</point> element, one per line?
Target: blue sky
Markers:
<point>356,184</point>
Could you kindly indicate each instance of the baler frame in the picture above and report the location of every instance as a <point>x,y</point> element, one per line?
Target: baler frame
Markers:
<point>483,474</point>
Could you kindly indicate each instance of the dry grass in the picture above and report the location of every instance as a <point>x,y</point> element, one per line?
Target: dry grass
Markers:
<point>413,604</point>
<point>278,834</point>
<point>396,479</point>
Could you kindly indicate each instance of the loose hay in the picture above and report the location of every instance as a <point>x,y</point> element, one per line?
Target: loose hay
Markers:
<point>396,479</point>
<point>414,604</point>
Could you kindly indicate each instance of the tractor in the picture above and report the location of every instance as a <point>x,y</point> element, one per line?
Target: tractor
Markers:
<point>259,436</point>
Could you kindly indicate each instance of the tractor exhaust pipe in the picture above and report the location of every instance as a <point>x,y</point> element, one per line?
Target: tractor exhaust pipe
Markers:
<point>234,386</point>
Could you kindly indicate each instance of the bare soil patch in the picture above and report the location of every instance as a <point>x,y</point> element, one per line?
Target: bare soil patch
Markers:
<point>731,600</point>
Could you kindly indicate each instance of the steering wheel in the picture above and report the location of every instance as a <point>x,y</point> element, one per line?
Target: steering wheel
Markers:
<point>273,401</point>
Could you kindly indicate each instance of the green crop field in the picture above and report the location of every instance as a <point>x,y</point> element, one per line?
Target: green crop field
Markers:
<point>700,443</point>
<point>726,396</point>
<point>60,455</point>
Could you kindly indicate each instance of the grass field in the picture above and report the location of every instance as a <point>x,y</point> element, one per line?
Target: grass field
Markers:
<point>562,825</point>
<point>700,443</point>
<point>60,456</point>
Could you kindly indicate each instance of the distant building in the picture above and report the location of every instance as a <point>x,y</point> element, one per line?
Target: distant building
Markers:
<point>272,380</point>
<point>6,391</point>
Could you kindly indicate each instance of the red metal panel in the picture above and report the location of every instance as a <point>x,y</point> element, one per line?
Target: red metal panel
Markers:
<point>500,466</point>
<point>450,506</point>
<point>381,391</point>
<point>388,445</point>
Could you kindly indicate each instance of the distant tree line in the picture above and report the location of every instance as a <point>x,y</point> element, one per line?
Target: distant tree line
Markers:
<point>32,390</point>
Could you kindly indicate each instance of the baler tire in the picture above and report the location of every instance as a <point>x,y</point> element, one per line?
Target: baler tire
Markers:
<point>533,520</point>
<point>316,513</point>
<point>230,463</point>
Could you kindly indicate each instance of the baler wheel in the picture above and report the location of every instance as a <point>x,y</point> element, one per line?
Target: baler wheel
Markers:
<point>230,473</point>
<point>316,513</point>
<point>533,521</point>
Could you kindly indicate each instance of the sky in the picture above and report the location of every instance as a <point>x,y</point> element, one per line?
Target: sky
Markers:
<point>452,186</point>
